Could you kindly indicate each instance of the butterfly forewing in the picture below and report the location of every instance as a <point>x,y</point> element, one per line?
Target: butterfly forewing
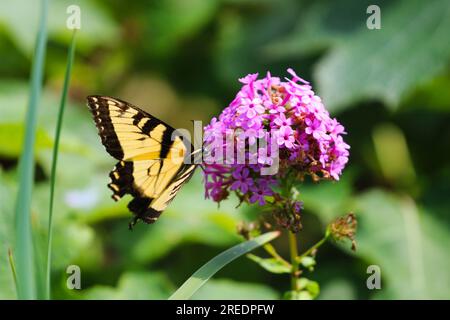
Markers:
<point>151,166</point>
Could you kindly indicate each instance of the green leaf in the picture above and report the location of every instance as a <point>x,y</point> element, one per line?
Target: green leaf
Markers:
<point>308,262</point>
<point>307,290</point>
<point>312,287</point>
<point>410,49</point>
<point>270,264</point>
<point>304,295</point>
<point>407,243</point>
<point>202,275</point>
<point>233,290</point>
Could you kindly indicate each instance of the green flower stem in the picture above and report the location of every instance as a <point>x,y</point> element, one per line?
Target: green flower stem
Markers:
<point>288,191</point>
<point>314,247</point>
<point>271,250</point>
<point>293,248</point>
<point>70,58</point>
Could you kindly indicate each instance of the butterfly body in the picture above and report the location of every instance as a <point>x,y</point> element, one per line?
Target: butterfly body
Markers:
<point>152,158</point>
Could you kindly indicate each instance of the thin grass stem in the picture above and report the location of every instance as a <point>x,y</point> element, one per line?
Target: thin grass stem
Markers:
<point>62,106</point>
<point>12,265</point>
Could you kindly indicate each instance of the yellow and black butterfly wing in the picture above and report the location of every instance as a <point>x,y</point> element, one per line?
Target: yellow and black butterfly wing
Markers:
<point>151,166</point>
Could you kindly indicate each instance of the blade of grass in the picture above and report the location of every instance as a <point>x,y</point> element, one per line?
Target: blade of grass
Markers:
<point>199,278</point>
<point>39,263</point>
<point>26,288</point>
<point>12,265</point>
<point>62,106</point>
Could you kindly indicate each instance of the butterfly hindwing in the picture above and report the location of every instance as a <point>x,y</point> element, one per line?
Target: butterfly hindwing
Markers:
<point>151,166</point>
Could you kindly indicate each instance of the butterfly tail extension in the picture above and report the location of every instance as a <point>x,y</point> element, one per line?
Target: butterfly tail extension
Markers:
<point>140,206</point>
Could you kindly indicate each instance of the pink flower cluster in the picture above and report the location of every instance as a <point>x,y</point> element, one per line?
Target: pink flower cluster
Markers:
<point>286,112</point>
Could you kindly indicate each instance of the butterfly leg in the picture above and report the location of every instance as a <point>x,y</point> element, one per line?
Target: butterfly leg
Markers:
<point>133,222</point>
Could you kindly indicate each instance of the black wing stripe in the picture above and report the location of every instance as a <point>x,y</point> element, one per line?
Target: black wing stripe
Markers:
<point>166,142</point>
<point>150,125</point>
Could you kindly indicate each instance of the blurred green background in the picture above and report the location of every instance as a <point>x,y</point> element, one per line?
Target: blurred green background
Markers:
<point>180,60</point>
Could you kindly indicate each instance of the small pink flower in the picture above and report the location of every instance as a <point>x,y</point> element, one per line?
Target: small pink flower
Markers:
<point>251,107</point>
<point>295,76</point>
<point>273,108</point>
<point>249,78</point>
<point>281,121</point>
<point>315,127</point>
<point>285,137</point>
